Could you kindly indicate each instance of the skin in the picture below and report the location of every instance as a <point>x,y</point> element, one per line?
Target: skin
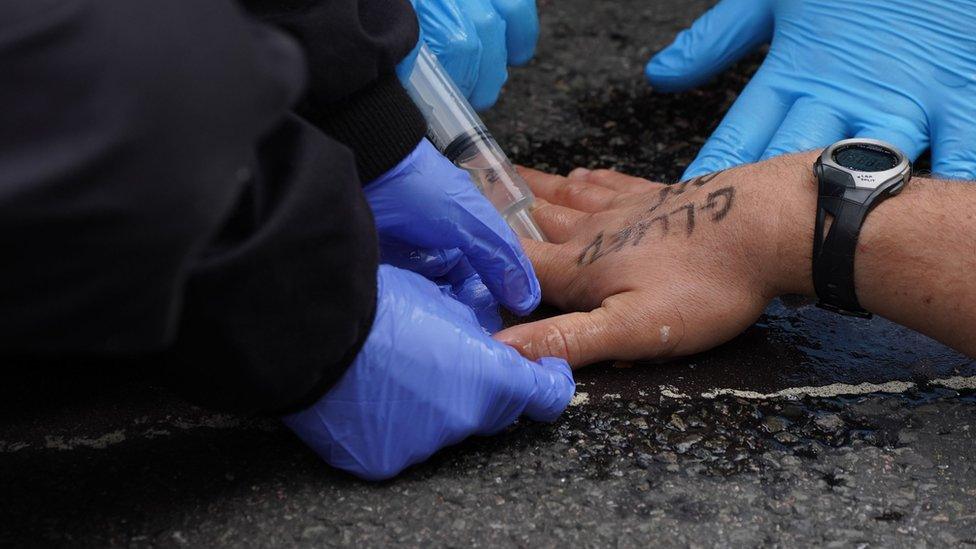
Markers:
<point>652,271</point>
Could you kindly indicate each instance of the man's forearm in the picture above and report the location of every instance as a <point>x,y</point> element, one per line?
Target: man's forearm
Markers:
<point>916,256</point>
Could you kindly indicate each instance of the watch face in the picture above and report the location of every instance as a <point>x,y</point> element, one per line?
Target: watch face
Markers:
<point>865,158</point>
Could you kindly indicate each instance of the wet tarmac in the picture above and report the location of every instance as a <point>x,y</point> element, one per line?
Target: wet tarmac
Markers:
<point>808,429</point>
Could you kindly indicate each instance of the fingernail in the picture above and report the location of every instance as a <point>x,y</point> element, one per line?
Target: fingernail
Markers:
<point>579,173</point>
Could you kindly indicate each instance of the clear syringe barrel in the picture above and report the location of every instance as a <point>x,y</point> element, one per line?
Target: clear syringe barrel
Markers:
<point>458,132</point>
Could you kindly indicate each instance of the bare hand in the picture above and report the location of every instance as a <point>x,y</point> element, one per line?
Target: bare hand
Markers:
<point>652,270</point>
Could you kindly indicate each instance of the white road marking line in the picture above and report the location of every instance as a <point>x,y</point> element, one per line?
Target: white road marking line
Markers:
<point>100,443</point>
<point>222,421</point>
<point>832,390</point>
<point>956,382</point>
<point>580,398</point>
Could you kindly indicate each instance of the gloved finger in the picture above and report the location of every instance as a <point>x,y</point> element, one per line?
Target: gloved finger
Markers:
<point>559,223</point>
<point>810,124</point>
<point>431,263</point>
<point>745,131</point>
<point>521,28</point>
<point>911,136</point>
<point>496,254</point>
<point>451,35</point>
<point>450,212</point>
<point>954,148</point>
<point>539,390</point>
<point>717,39</point>
<point>468,288</point>
<point>582,338</point>
<point>555,388</point>
<point>492,68</point>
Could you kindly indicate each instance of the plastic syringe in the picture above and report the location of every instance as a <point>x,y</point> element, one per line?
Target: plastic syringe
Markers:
<point>457,131</point>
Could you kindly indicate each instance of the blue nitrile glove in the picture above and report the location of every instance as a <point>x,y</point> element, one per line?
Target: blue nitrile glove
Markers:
<point>429,216</point>
<point>427,377</point>
<point>464,285</point>
<point>900,70</point>
<point>450,270</point>
<point>475,39</point>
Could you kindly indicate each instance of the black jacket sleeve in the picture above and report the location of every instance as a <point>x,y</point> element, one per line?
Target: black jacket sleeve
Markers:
<point>157,196</point>
<point>353,48</point>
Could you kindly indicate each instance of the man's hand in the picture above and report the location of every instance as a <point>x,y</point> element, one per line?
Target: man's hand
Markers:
<point>656,271</point>
<point>432,220</point>
<point>427,377</point>
<point>902,71</point>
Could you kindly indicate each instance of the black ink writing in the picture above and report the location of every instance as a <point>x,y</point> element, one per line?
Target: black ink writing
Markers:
<point>711,203</point>
<point>663,219</point>
<point>594,247</point>
<point>690,208</point>
<point>717,203</point>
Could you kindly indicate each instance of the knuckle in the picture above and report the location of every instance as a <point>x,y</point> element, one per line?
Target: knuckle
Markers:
<point>559,342</point>
<point>488,19</point>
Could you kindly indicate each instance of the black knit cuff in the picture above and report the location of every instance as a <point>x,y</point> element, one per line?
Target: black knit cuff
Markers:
<point>380,123</point>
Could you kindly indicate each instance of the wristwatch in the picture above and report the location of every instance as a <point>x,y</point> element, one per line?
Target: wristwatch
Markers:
<point>854,176</point>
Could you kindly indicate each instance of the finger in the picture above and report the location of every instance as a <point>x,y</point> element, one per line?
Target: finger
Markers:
<point>466,220</point>
<point>452,37</point>
<point>468,288</point>
<point>572,193</point>
<point>554,389</point>
<point>615,180</point>
<point>557,222</point>
<point>431,263</point>
<point>579,173</point>
<point>909,135</point>
<point>715,41</point>
<point>809,125</point>
<point>954,147</point>
<point>496,254</point>
<point>581,338</point>
<point>745,131</point>
<point>517,386</point>
<point>556,268</point>
<point>492,68</point>
<point>521,28</point>
<point>537,180</point>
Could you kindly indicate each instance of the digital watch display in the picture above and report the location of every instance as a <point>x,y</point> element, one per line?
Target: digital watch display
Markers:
<point>865,158</point>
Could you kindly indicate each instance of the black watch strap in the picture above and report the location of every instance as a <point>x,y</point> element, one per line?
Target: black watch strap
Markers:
<point>853,176</point>
<point>833,253</point>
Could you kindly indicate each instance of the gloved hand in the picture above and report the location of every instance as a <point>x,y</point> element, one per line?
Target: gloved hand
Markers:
<point>474,39</point>
<point>463,284</point>
<point>901,70</point>
<point>427,377</point>
<point>430,217</point>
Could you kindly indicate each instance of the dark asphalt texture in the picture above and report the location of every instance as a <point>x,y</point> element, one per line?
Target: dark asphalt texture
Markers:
<point>97,457</point>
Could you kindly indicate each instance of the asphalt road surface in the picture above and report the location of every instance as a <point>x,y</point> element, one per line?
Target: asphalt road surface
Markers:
<point>809,429</point>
